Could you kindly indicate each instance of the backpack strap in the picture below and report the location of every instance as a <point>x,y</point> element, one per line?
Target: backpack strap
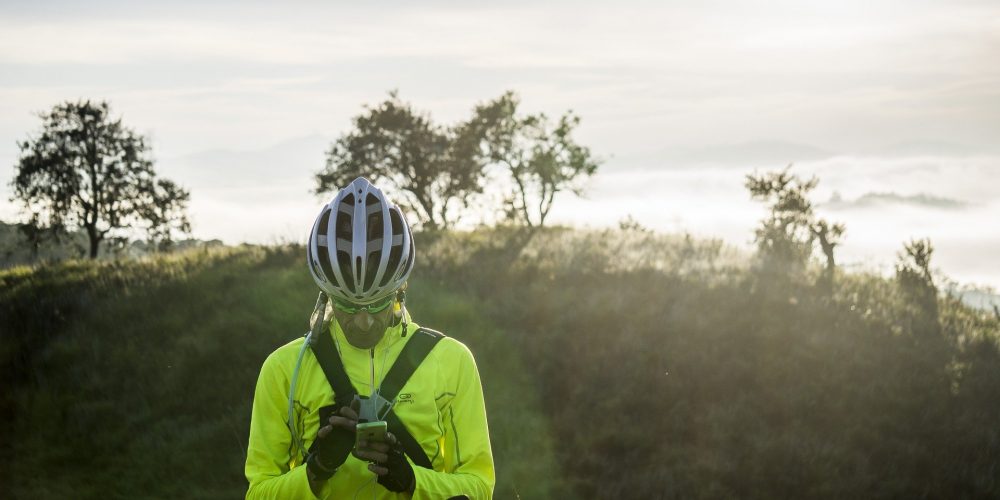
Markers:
<point>329,360</point>
<point>414,352</point>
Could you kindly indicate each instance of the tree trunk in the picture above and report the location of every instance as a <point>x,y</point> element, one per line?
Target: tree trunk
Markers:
<point>95,240</point>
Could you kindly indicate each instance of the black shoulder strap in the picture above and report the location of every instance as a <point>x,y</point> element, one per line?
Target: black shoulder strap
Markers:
<point>329,360</point>
<point>414,352</point>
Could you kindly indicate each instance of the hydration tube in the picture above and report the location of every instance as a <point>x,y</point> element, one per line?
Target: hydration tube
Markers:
<point>317,318</point>
<point>291,395</point>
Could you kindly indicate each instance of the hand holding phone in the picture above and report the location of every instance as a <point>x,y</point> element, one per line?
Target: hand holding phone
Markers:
<point>371,432</point>
<point>333,443</point>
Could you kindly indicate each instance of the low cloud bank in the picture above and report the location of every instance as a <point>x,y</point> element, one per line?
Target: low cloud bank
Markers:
<point>869,200</point>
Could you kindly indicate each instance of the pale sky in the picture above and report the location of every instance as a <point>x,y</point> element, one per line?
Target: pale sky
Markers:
<point>219,85</point>
<point>849,76</point>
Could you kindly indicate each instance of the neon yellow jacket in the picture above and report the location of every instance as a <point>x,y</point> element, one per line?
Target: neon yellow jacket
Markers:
<point>441,405</point>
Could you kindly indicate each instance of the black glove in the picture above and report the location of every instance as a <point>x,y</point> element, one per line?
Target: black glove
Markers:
<point>400,477</point>
<point>329,452</point>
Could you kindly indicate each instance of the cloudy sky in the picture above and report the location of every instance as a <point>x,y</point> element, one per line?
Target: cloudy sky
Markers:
<point>241,98</point>
<point>850,76</point>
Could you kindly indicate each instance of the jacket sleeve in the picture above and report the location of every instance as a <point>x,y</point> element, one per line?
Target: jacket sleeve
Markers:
<point>469,457</point>
<point>268,453</point>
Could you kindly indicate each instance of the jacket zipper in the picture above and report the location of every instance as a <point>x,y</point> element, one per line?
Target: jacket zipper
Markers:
<point>371,363</point>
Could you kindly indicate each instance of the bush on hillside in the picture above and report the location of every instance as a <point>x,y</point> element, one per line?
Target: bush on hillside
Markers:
<point>669,372</point>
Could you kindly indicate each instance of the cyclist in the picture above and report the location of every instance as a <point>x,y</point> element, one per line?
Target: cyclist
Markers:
<point>313,392</point>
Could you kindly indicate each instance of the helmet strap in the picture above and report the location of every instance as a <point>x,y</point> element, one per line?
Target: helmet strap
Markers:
<point>401,297</point>
<point>318,318</point>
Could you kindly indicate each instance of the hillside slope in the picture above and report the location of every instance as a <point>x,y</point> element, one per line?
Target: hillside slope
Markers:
<point>127,373</point>
<point>617,364</point>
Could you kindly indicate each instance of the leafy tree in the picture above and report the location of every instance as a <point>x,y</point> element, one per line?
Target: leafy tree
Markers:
<point>785,238</point>
<point>438,169</point>
<point>34,234</point>
<point>828,237</point>
<point>541,157</point>
<point>88,171</point>
<point>913,275</point>
<point>913,269</point>
<point>167,215</point>
<point>435,169</point>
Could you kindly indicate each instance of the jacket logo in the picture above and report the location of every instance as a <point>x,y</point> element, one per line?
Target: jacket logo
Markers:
<point>405,397</point>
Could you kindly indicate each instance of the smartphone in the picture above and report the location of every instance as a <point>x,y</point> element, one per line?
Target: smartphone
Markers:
<point>371,432</point>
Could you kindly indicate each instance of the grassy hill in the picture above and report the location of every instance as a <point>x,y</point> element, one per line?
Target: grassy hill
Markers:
<point>122,374</point>
<point>615,364</point>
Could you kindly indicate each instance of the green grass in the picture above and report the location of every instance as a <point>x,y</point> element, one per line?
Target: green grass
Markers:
<point>521,435</point>
<point>152,377</point>
<point>615,364</point>
<point>149,374</point>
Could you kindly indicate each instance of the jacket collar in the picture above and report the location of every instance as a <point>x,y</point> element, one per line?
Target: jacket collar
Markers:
<point>392,334</point>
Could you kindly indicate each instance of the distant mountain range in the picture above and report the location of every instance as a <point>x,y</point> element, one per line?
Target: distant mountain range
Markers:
<point>929,148</point>
<point>294,161</point>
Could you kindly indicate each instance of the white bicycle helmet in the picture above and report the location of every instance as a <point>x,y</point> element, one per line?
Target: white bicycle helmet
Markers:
<point>360,248</point>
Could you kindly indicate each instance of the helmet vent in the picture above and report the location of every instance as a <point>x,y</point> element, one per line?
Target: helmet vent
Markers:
<point>321,229</point>
<point>393,264</point>
<point>324,263</point>
<point>397,222</point>
<point>373,258</point>
<point>314,264</point>
<point>357,268</point>
<point>374,227</point>
<point>343,259</point>
<point>343,228</point>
